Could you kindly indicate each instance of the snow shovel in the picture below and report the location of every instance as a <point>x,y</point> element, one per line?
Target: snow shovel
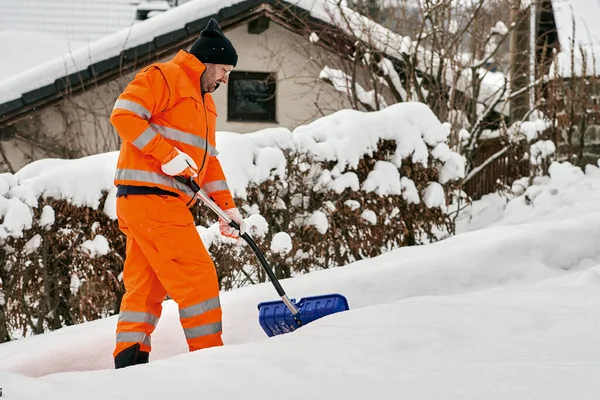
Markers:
<point>285,315</point>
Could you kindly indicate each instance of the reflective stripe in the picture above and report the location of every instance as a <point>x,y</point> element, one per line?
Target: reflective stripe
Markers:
<point>144,138</point>
<point>200,308</point>
<point>202,330</point>
<point>134,107</point>
<point>137,337</point>
<point>151,177</point>
<point>184,137</point>
<point>138,316</point>
<point>169,133</point>
<point>213,186</point>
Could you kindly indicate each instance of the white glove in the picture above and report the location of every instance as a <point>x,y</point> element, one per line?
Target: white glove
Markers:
<point>179,163</point>
<point>227,230</point>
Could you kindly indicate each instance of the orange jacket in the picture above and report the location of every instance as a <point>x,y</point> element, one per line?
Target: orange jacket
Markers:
<point>162,108</point>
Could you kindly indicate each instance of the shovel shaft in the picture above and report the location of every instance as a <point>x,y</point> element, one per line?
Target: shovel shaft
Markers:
<point>263,261</point>
<point>259,254</point>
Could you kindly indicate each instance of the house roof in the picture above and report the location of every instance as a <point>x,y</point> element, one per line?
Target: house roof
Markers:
<point>75,20</point>
<point>34,31</point>
<point>146,41</point>
<point>584,16</point>
<point>23,50</point>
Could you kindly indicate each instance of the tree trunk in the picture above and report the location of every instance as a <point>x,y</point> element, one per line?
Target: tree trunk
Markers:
<point>519,61</point>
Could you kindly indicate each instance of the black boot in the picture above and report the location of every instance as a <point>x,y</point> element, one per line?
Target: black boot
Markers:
<point>131,356</point>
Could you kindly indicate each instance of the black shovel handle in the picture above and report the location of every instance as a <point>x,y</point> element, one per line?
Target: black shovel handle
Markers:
<point>261,257</point>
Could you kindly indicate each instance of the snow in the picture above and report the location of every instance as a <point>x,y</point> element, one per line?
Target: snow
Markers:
<point>583,16</point>
<point>318,219</point>
<point>454,163</point>
<point>453,168</point>
<point>434,195</point>
<point>343,83</point>
<point>13,43</point>
<point>160,5</point>
<point>540,150</point>
<point>16,217</point>
<point>409,191</point>
<point>68,20</point>
<point>75,284</point>
<point>79,181</point>
<point>55,28</point>
<point>567,192</point>
<point>353,204</point>
<point>504,312</point>
<point>411,125</point>
<point>47,217</point>
<point>97,247</point>
<point>33,244</point>
<point>344,137</point>
<point>384,179</point>
<point>453,27</point>
<point>369,216</point>
<point>530,130</point>
<point>441,152</point>
<point>6,182</point>
<point>500,28</point>
<point>347,180</point>
<point>281,243</point>
<point>387,67</point>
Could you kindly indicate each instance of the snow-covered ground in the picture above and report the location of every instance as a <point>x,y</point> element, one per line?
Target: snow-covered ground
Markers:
<point>507,309</point>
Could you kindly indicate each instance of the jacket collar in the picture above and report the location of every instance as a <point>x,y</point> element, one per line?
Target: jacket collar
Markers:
<point>192,67</point>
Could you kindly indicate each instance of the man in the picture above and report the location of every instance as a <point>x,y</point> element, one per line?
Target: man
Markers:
<point>166,119</point>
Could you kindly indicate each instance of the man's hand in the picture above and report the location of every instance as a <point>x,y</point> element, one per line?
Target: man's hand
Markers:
<point>227,230</point>
<point>179,163</point>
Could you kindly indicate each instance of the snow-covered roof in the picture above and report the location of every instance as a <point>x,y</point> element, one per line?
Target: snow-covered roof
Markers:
<point>49,78</point>
<point>75,20</point>
<point>585,14</point>
<point>18,54</point>
<point>35,31</point>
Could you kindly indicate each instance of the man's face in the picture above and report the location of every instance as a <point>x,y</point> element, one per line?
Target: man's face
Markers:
<point>213,75</point>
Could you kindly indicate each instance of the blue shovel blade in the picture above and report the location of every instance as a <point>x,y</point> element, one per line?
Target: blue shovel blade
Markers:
<point>276,319</point>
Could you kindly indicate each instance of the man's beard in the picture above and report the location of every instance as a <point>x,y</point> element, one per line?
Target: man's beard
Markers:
<point>216,86</point>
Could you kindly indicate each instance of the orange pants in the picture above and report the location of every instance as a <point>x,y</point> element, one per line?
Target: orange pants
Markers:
<point>165,255</point>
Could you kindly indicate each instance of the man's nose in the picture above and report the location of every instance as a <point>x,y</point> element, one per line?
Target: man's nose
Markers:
<point>225,79</point>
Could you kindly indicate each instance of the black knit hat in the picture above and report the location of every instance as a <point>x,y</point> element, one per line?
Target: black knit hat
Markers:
<point>213,47</point>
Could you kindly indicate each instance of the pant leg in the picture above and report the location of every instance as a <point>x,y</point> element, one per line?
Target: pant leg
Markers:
<point>141,305</point>
<point>169,240</point>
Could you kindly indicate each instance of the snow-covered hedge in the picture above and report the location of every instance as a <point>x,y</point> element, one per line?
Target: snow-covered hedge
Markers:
<point>347,186</point>
<point>567,191</point>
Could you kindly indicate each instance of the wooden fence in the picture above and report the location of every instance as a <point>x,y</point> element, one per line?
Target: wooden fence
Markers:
<point>501,172</point>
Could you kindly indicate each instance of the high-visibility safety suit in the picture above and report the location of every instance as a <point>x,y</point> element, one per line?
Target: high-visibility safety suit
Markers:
<point>160,109</point>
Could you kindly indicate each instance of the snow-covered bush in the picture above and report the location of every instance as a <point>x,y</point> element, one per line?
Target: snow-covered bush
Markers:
<point>566,191</point>
<point>345,187</point>
<point>63,270</point>
<point>348,186</point>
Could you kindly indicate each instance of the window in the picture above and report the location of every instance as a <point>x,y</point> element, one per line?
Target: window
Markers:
<point>251,97</point>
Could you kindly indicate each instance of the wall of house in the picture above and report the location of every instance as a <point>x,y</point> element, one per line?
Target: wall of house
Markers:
<point>73,128</point>
<point>80,126</point>
<point>299,97</point>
